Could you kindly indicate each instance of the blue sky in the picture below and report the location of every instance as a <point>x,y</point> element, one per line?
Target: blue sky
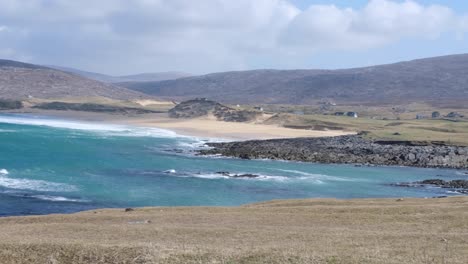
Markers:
<point>133,36</point>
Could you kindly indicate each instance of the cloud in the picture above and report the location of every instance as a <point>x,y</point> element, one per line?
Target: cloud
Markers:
<point>120,36</point>
<point>380,22</point>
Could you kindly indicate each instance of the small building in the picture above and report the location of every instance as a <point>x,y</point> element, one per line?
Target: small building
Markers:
<point>420,116</point>
<point>435,114</point>
<point>259,108</point>
<point>454,115</point>
<point>352,114</point>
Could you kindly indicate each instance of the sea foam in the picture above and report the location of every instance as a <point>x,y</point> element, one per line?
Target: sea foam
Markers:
<point>315,176</point>
<point>35,185</point>
<point>57,199</point>
<point>108,129</point>
<point>3,172</point>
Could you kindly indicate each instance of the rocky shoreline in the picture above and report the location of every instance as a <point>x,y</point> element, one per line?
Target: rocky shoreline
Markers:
<point>347,150</point>
<point>458,186</point>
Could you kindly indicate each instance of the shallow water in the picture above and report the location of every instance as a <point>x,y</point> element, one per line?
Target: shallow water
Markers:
<point>57,166</point>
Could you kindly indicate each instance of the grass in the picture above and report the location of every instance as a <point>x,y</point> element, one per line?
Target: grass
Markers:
<point>450,132</point>
<point>291,231</point>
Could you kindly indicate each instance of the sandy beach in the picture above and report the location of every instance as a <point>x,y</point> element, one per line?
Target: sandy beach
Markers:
<point>200,127</point>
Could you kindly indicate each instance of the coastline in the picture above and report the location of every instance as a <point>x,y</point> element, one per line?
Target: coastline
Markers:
<point>200,127</point>
<point>348,149</point>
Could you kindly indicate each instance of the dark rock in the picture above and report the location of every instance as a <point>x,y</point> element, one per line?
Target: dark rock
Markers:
<point>436,182</point>
<point>246,175</point>
<point>10,104</point>
<point>346,149</point>
<point>456,184</point>
<point>129,209</point>
<point>460,186</point>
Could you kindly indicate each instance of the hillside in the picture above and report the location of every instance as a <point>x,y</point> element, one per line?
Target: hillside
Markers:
<point>22,80</point>
<point>201,107</point>
<point>142,77</point>
<point>439,80</point>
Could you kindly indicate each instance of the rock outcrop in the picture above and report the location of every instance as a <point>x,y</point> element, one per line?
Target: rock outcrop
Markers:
<point>346,149</point>
<point>202,107</point>
<point>10,104</point>
<point>460,186</point>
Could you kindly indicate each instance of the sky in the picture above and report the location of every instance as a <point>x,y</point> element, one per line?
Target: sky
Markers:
<point>121,37</point>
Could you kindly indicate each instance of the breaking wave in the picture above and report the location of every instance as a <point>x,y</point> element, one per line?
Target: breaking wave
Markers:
<point>108,129</point>
<point>35,185</point>
<point>57,199</point>
<point>314,176</point>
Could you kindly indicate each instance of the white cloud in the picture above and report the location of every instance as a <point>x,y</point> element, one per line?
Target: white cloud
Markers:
<point>123,36</point>
<point>380,22</point>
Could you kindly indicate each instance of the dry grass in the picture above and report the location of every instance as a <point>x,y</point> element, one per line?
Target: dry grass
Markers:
<point>294,231</point>
<point>418,130</point>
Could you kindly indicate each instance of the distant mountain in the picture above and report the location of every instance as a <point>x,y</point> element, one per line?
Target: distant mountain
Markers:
<point>143,77</point>
<point>22,80</point>
<point>435,80</point>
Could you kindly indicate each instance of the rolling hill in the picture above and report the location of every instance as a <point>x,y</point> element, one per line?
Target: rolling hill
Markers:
<point>439,80</point>
<point>142,77</point>
<point>22,80</point>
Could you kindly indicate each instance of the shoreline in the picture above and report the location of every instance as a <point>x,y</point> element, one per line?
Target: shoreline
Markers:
<point>200,127</point>
<point>348,149</point>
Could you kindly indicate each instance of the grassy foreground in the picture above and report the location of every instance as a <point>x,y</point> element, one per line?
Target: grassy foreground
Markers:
<point>292,231</point>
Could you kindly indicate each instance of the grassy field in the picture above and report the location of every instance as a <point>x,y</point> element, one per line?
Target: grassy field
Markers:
<point>292,231</point>
<point>450,132</point>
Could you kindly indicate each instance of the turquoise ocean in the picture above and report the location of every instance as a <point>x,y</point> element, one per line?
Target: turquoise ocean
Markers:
<point>49,165</point>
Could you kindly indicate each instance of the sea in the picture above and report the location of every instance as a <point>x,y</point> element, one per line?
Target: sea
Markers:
<point>50,165</point>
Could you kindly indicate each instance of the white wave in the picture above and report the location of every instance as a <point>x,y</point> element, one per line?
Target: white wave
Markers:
<point>108,129</point>
<point>170,171</point>
<point>57,198</point>
<point>314,176</point>
<point>4,172</point>
<point>221,176</point>
<point>35,185</point>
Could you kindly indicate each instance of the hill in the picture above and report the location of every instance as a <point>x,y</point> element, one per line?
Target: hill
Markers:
<point>142,77</point>
<point>439,80</point>
<point>201,107</point>
<point>22,80</point>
